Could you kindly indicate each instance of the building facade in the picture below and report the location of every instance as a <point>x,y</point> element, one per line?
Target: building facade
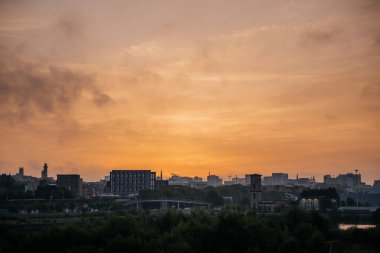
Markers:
<point>348,180</point>
<point>44,172</point>
<point>267,180</point>
<point>125,182</point>
<point>71,182</point>
<point>21,172</point>
<point>161,184</point>
<point>255,190</point>
<point>182,181</point>
<point>214,181</point>
<point>279,178</point>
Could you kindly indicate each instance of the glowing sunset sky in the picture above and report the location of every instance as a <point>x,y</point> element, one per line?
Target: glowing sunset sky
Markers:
<point>189,86</point>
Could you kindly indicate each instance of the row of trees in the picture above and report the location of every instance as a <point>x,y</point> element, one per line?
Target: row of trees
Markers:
<point>291,231</point>
<point>10,190</point>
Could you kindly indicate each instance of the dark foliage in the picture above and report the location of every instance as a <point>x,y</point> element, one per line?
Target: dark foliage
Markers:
<point>376,217</point>
<point>172,231</point>
<point>328,198</point>
<point>10,190</point>
<point>53,192</point>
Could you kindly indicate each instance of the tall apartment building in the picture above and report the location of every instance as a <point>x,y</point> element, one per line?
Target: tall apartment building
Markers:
<point>72,182</point>
<point>125,182</point>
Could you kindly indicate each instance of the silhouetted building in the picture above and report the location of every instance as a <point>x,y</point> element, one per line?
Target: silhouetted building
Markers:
<point>71,182</point>
<point>302,181</point>
<point>21,172</point>
<point>178,180</point>
<point>44,173</point>
<point>349,180</point>
<point>305,181</point>
<point>267,180</point>
<point>125,182</point>
<point>107,188</point>
<point>229,182</point>
<point>214,181</point>
<point>372,200</point>
<point>279,178</point>
<point>199,184</point>
<point>247,180</point>
<point>161,184</point>
<point>195,182</point>
<point>197,179</point>
<point>255,190</point>
<point>236,180</point>
<point>30,183</point>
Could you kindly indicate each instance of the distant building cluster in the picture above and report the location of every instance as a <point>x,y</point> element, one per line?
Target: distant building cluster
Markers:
<point>348,180</point>
<point>213,180</point>
<point>128,183</point>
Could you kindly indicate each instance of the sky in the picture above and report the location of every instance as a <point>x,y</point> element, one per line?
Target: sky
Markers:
<point>190,87</point>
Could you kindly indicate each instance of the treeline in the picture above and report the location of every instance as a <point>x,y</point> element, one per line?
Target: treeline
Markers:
<point>291,231</point>
<point>10,190</point>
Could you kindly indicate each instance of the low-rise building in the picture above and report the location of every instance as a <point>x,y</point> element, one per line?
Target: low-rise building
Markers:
<point>182,181</point>
<point>72,182</point>
<point>279,178</point>
<point>214,181</point>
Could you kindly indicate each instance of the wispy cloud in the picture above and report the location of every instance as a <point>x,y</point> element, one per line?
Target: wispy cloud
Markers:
<point>28,88</point>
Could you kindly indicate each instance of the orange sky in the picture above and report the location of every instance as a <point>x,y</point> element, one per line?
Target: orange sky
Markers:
<point>230,87</point>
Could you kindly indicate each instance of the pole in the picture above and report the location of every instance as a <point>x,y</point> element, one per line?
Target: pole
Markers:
<point>356,184</point>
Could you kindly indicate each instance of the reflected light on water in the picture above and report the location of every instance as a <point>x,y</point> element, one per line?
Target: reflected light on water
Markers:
<point>358,226</point>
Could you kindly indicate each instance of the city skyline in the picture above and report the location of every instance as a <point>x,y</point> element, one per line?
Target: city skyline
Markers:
<point>44,174</point>
<point>190,87</point>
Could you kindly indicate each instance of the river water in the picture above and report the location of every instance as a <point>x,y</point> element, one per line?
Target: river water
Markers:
<point>358,226</point>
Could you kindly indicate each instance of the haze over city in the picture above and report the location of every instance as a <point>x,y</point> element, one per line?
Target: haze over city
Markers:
<point>231,87</point>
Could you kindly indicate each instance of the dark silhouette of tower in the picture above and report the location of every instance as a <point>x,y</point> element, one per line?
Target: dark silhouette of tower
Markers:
<point>21,171</point>
<point>44,173</point>
<point>255,190</point>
